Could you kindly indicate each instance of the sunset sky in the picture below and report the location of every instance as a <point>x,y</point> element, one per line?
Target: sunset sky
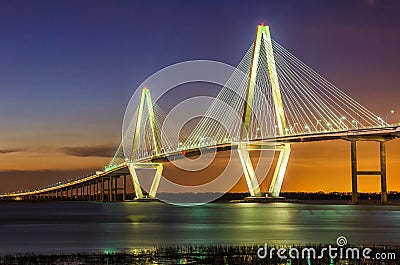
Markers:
<point>69,68</point>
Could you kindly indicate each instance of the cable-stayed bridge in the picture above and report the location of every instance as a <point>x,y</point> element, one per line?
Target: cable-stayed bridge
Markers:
<point>271,101</point>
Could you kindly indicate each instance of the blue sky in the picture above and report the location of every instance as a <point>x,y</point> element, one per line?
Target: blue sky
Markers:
<point>68,68</point>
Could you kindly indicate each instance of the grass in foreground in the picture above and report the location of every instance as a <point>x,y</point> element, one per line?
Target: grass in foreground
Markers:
<point>186,255</point>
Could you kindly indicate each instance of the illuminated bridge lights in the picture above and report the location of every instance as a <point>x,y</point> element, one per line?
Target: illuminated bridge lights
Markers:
<point>304,107</point>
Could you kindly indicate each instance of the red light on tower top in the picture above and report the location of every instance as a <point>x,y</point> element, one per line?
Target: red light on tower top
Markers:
<point>262,23</point>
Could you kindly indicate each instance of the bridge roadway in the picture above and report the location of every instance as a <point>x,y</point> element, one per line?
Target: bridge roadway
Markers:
<point>103,185</point>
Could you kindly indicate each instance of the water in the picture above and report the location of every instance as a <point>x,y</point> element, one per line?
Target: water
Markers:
<point>46,227</point>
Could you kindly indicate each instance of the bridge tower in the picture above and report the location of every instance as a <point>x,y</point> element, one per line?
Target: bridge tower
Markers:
<point>145,102</point>
<point>263,38</point>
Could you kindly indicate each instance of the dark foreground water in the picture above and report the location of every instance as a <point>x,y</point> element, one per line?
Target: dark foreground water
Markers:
<point>67,227</point>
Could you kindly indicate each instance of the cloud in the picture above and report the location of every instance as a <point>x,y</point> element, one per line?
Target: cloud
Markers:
<point>10,150</point>
<point>15,180</point>
<point>90,151</point>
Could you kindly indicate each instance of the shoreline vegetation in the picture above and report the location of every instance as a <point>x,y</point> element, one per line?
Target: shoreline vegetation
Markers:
<point>210,254</point>
<point>296,197</point>
<point>191,254</point>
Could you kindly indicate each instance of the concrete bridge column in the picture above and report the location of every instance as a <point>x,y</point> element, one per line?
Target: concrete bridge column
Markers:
<point>116,188</point>
<point>96,190</point>
<point>383,171</point>
<point>91,190</point>
<point>354,175</point>
<point>135,181</point>
<point>102,190</point>
<point>124,190</point>
<point>112,179</point>
<point>248,170</point>
<point>280,169</point>
<point>109,182</point>
<point>88,191</point>
<point>156,180</point>
<point>355,172</point>
<point>112,189</point>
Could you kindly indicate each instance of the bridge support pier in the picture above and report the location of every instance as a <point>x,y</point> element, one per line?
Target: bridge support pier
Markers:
<point>135,181</point>
<point>96,190</point>
<point>354,175</point>
<point>109,192</point>
<point>116,189</point>
<point>89,191</point>
<point>383,171</point>
<point>280,169</point>
<point>355,172</point>
<point>102,189</point>
<point>156,181</point>
<point>124,191</point>
<point>248,170</point>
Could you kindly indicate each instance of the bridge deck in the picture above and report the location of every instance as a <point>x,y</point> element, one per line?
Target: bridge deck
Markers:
<point>377,134</point>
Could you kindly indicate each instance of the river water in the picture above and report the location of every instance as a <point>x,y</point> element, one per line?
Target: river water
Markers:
<point>48,227</point>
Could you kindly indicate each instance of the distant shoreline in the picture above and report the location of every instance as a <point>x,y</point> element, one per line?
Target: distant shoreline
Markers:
<point>300,197</point>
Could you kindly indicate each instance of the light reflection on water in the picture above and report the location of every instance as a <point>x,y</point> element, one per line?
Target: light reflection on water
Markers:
<point>81,226</point>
